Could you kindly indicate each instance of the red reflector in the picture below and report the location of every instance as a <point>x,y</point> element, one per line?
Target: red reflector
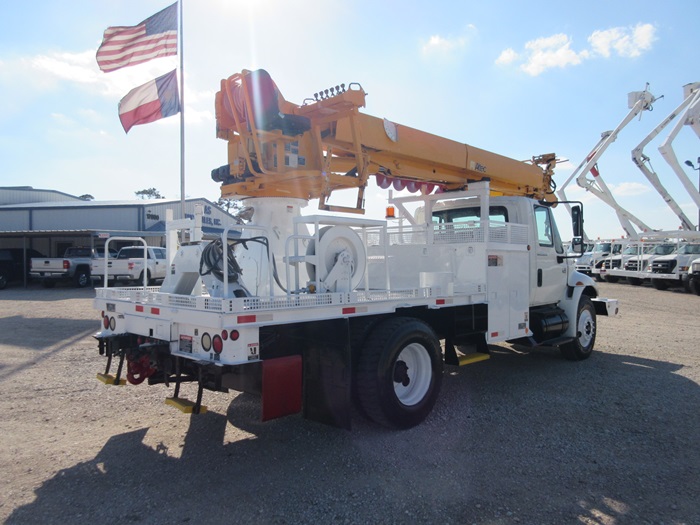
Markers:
<point>439,301</point>
<point>105,322</point>
<point>349,310</point>
<point>139,308</point>
<point>494,334</point>
<point>224,334</point>
<point>155,311</point>
<point>246,319</point>
<point>217,344</point>
<point>235,335</point>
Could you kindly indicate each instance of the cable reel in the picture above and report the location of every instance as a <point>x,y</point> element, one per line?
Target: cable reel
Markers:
<point>338,262</point>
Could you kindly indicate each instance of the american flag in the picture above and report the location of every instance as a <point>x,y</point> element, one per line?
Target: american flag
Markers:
<point>127,46</point>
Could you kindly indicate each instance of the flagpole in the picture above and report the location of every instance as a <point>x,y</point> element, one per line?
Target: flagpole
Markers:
<point>182,111</point>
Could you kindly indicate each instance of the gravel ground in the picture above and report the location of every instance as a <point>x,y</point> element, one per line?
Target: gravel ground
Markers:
<point>524,438</point>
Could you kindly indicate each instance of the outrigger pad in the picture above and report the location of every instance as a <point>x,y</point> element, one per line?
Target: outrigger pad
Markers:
<point>109,379</point>
<point>184,405</point>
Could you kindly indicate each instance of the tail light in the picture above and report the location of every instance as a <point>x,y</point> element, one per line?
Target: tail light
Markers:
<point>217,344</point>
<point>66,264</point>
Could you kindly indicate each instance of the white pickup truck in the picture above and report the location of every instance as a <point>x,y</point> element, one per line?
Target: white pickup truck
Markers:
<point>129,263</point>
<point>73,267</point>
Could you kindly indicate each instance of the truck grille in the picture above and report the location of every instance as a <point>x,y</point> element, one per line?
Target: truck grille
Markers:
<point>634,266</point>
<point>663,266</point>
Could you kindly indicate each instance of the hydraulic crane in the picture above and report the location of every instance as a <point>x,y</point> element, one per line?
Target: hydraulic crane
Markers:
<point>277,148</point>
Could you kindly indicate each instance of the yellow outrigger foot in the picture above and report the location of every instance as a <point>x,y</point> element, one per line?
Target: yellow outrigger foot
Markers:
<point>470,359</point>
<point>109,379</point>
<point>184,405</point>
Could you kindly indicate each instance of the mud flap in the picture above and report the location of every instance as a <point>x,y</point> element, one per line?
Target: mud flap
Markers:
<point>281,387</point>
<point>328,372</point>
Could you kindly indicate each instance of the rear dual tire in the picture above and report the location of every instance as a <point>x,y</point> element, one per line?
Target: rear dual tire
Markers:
<point>399,372</point>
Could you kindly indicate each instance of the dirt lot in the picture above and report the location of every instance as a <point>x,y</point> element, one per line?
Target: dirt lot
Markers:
<point>524,438</point>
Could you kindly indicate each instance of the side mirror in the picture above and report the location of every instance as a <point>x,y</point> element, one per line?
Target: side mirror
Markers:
<point>577,221</point>
<point>577,245</point>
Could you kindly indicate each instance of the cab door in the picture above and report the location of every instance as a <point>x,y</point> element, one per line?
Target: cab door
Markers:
<point>549,275</point>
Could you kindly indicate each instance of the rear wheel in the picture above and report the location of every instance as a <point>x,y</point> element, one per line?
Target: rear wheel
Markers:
<point>399,372</point>
<point>149,281</point>
<point>3,281</point>
<point>82,278</point>
<point>586,325</point>
<point>612,278</point>
<point>636,281</point>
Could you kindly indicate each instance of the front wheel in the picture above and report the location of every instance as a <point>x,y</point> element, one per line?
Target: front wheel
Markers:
<point>659,284</point>
<point>586,325</point>
<point>695,285</point>
<point>399,372</point>
<point>3,281</point>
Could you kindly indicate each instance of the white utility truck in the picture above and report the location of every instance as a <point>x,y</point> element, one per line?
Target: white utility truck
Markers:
<point>318,312</point>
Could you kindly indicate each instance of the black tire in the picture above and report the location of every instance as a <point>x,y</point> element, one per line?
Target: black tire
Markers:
<point>636,281</point>
<point>48,284</point>
<point>659,284</point>
<point>81,278</point>
<point>612,278</point>
<point>686,285</point>
<point>3,281</point>
<point>695,285</point>
<point>399,393</point>
<point>586,327</point>
<point>149,281</point>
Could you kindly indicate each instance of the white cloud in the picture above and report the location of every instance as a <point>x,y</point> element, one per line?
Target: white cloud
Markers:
<point>625,41</point>
<point>557,51</point>
<point>443,46</point>
<point>506,57</point>
<point>629,189</point>
<point>549,52</point>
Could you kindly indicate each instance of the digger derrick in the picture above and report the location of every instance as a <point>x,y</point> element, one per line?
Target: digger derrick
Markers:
<point>280,149</point>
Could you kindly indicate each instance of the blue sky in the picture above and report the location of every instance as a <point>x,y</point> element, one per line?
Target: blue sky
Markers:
<point>517,78</point>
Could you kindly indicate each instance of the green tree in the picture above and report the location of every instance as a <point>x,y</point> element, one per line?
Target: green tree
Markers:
<point>150,193</point>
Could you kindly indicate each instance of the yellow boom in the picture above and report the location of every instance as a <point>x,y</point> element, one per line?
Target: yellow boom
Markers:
<point>277,148</point>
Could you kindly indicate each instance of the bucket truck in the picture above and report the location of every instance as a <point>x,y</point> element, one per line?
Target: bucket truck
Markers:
<point>316,313</point>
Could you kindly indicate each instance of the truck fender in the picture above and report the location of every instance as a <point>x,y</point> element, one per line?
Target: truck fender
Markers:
<point>578,285</point>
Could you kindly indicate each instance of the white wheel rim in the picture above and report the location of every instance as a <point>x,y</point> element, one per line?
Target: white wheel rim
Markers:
<point>417,360</point>
<point>586,328</point>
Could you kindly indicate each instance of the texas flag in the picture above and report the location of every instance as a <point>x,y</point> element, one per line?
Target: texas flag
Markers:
<point>152,101</point>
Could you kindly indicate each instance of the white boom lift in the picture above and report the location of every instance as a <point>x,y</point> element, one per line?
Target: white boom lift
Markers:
<point>691,117</point>
<point>642,161</point>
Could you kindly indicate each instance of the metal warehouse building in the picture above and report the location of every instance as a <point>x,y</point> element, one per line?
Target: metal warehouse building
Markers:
<point>50,221</point>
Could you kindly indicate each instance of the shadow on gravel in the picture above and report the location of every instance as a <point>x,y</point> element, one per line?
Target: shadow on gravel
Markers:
<point>522,438</point>
<point>36,292</point>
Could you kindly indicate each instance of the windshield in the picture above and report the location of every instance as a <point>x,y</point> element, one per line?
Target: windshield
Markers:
<point>602,247</point>
<point>689,249</point>
<point>631,250</point>
<point>664,249</point>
